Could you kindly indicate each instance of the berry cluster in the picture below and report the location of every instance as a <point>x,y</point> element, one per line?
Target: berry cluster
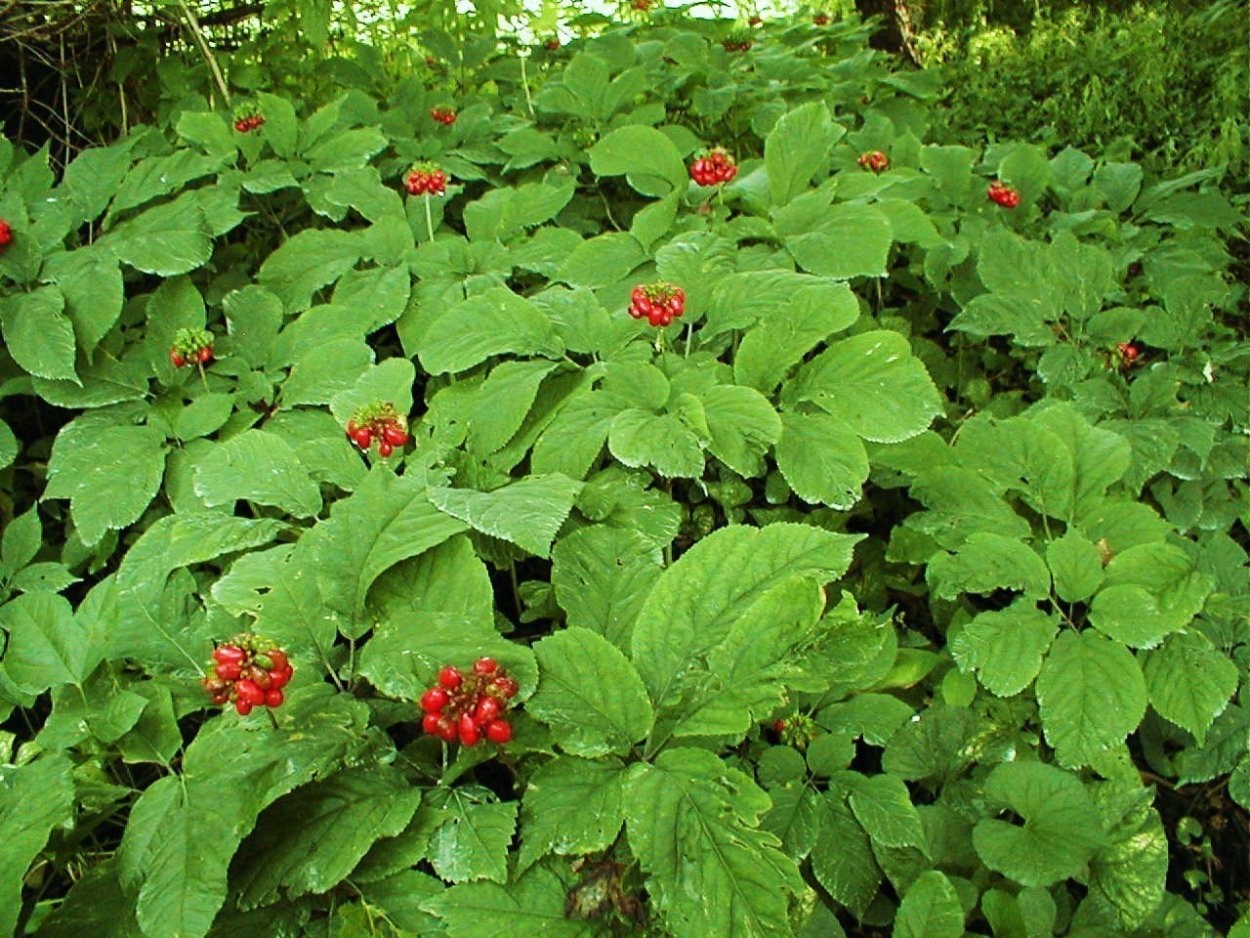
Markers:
<point>1002,194</point>
<point>191,347</point>
<point>247,119</point>
<point>378,421</point>
<point>426,179</point>
<point>821,19</point>
<point>640,5</point>
<point>798,730</point>
<point>552,44</point>
<point>737,43</point>
<point>248,671</point>
<point>1129,352</point>
<point>714,168</point>
<point>466,707</point>
<point>444,115</point>
<point>6,234</point>
<point>874,160</point>
<point>658,303</point>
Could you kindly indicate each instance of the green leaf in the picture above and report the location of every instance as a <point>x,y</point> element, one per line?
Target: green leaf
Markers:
<point>166,240</point>
<point>601,576</point>
<point>1091,695</point>
<point>987,562</point>
<point>1005,648</point>
<point>883,807</point>
<point>91,282</point>
<point>663,441</point>
<point>693,825</point>
<point>502,403</point>
<point>473,842</point>
<point>1131,871</point>
<point>1150,591</point>
<point>313,838</point>
<point>601,261</point>
<point>930,909</point>
<point>110,474</point>
<point>346,150</point>
<point>570,807</point>
<point>47,647</point>
<point>716,584</point>
<point>258,467</point>
<point>1061,828</point>
<point>852,240</point>
<point>529,512</point>
<point>306,262</point>
<point>797,148</point>
<point>34,799</point>
<point>822,460</point>
<point>492,323</point>
<point>649,160</point>
<point>38,334</point>
<point>743,425</point>
<point>786,333</point>
<point>532,905</point>
<point>387,519</point>
<point>208,130</point>
<point>1189,682</point>
<point>873,384</point>
<point>842,858</point>
<point>390,381</point>
<point>589,694</point>
<point>377,296</point>
<point>1075,565</point>
<point>281,127</point>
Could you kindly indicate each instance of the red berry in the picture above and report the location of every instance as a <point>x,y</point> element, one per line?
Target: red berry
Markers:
<point>229,654</point>
<point>249,690</point>
<point>243,707</point>
<point>449,677</point>
<point>385,449</point>
<point>485,666</point>
<point>487,709</point>
<point>274,697</point>
<point>499,731</point>
<point>363,437</point>
<point>176,359</point>
<point>206,354</point>
<point>394,435</point>
<point>434,700</point>
<point>6,233</point>
<point>429,724</point>
<point>447,730</point>
<point>279,659</point>
<point>279,678</point>
<point>506,686</point>
<point>779,726</point>
<point>228,671</point>
<point>220,697</point>
<point>553,45</point>
<point>468,731</point>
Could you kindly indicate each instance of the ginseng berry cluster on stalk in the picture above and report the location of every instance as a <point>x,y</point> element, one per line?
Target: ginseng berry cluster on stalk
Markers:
<point>466,707</point>
<point>248,671</point>
<point>379,422</point>
<point>738,41</point>
<point>191,347</point>
<point>443,115</point>
<point>874,160</point>
<point>247,119</point>
<point>425,179</point>
<point>821,19</point>
<point>714,168</point>
<point>1002,194</point>
<point>1128,352</point>
<point>658,303</point>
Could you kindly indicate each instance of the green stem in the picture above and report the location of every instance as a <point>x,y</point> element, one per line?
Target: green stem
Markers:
<point>429,218</point>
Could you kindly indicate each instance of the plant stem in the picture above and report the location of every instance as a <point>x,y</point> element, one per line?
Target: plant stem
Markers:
<point>429,218</point>
<point>198,35</point>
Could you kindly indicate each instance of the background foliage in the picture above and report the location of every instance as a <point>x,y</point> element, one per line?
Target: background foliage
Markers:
<point>892,484</point>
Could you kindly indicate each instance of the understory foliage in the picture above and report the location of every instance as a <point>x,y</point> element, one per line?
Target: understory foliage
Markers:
<point>897,585</point>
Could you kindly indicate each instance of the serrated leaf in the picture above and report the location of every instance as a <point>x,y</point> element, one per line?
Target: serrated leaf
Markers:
<point>601,576</point>
<point>852,240</point>
<point>1005,648</point>
<point>571,806</point>
<point>930,909</point>
<point>46,646</point>
<point>473,842</point>
<point>873,384</point>
<point>1131,871</point>
<point>1075,565</point>
<point>797,148</point>
<point>743,425</point>
<point>34,799</point>
<point>822,459</point>
<point>169,239</point>
<point>647,158</point>
<point>306,262</point>
<point>533,905</point>
<point>1061,829</point>
<point>781,338</point>
<point>38,334</point>
<point>311,840</point>
<point>529,512</point>
<point>502,403</point>
<point>842,858</point>
<point>91,282</point>
<point>1091,695</point>
<point>1189,682</point>
<point>589,694</point>
<point>491,323</point>
<point>692,823</point>
<point>110,474</point>
<point>665,442</point>
<point>260,467</point>
<point>883,807</point>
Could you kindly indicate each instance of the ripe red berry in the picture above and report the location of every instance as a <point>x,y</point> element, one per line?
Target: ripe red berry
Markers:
<point>485,666</point>
<point>176,359</point>
<point>779,726</point>
<point>486,710</point>
<point>363,437</point>
<point>6,234</point>
<point>394,435</point>
<point>434,700</point>
<point>874,160</point>
<point>274,697</point>
<point>229,654</point>
<point>243,707</point>
<point>821,19</point>
<point>468,731</point>
<point>1002,194</point>
<point>499,731</point>
<point>506,686</point>
<point>429,724</point>
<point>228,671</point>
<point>206,354</point>
<point>249,690</point>
<point>279,659</point>
<point>385,449</point>
<point>553,45</point>
<point>280,677</point>
<point>447,730</point>
<point>449,677</point>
